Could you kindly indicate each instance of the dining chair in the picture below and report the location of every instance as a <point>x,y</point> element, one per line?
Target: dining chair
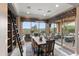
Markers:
<point>49,49</point>
<point>34,46</point>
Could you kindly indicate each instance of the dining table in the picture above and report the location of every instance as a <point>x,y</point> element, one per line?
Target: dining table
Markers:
<point>39,42</point>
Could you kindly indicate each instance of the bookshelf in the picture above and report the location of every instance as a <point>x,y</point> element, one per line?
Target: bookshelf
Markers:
<point>13,35</point>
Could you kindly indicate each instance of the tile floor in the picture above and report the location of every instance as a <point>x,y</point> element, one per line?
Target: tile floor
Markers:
<point>58,51</point>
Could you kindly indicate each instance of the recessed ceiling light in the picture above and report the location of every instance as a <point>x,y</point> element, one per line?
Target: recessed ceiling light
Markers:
<point>49,11</point>
<point>39,9</point>
<point>44,14</point>
<point>28,12</point>
<point>57,5</point>
<point>29,7</point>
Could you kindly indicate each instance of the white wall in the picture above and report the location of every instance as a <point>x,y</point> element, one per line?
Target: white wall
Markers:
<point>3,29</point>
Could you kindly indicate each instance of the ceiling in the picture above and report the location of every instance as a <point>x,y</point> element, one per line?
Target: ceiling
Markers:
<point>41,10</point>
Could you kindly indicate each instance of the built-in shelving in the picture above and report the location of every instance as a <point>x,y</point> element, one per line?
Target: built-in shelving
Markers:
<point>13,35</point>
<point>11,39</point>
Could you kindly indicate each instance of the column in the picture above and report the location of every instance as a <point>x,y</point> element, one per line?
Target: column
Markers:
<point>76,32</point>
<point>48,25</point>
<point>21,28</point>
<point>58,27</point>
<point>19,25</point>
<point>31,27</point>
<point>39,29</point>
<point>60,30</point>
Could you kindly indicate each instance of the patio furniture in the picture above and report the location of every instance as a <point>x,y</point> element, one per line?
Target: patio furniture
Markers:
<point>27,37</point>
<point>57,36</point>
<point>36,34</point>
<point>69,38</point>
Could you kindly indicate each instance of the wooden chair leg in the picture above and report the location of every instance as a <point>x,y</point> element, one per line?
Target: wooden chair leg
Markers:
<point>52,53</point>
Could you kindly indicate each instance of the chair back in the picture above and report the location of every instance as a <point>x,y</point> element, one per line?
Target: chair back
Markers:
<point>50,46</point>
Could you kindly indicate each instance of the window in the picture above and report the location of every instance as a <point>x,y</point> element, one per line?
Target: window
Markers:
<point>26,27</point>
<point>38,26</point>
<point>42,27</point>
<point>34,27</point>
<point>30,27</point>
<point>69,37</point>
<point>66,37</point>
<point>53,28</point>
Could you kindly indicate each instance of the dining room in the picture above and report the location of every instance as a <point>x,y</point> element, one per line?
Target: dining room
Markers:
<point>47,30</point>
